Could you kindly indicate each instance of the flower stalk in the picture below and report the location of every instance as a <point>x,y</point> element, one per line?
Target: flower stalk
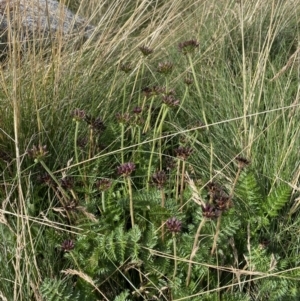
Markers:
<point>125,170</point>
<point>174,226</point>
<point>130,201</point>
<point>175,254</point>
<point>194,250</point>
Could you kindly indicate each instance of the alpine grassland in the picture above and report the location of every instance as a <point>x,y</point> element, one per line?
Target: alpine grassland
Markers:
<point>156,159</point>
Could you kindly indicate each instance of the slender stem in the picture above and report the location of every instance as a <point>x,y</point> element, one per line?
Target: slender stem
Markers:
<point>194,250</point>
<point>160,154</point>
<point>211,159</point>
<point>198,89</point>
<point>74,259</point>
<point>122,142</point>
<point>139,137</point>
<point>177,181</point>
<point>133,130</point>
<point>157,120</point>
<point>75,141</point>
<point>159,134</point>
<point>182,100</point>
<point>150,165</point>
<point>165,112</point>
<point>182,185</point>
<point>213,249</point>
<point>65,195</point>
<point>140,84</point>
<point>73,194</point>
<point>234,183</point>
<point>91,143</point>
<point>130,201</point>
<point>153,146</point>
<point>175,255</point>
<point>148,120</point>
<point>167,84</point>
<point>103,200</point>
<point>76,149</point>
<point>124,96</point>
<point>163,197</point>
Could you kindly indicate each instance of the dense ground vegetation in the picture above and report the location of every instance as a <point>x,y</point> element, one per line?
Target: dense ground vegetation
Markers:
<point>160,162</point>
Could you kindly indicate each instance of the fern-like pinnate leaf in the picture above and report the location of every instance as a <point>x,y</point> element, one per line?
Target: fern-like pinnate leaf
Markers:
<point>278,198</point>
<point>230,225</point>
<point>248,192</point>
<point>123,296</point>
<point>55,290</point>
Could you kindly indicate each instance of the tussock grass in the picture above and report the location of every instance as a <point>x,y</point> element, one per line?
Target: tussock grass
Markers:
<point>243,101</point>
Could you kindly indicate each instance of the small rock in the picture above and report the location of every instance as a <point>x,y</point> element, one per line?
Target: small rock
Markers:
<point>41,20</point>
